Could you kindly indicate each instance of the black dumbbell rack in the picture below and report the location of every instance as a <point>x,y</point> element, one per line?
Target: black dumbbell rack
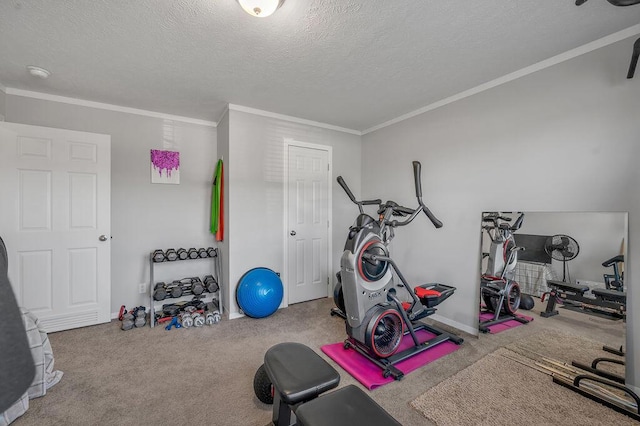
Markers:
<point>158,257</point>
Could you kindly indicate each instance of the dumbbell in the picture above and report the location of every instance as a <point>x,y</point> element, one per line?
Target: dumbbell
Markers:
<point>160,291</point>
<point>197,287</point>
<point>158,256</point>
<point>174,289</point>
<point>211,252</point>
<point>211,284</point>
<point>186,285</point>
<point>140,316</point>
<point>186,319</point>
<point>193,253</point>
<point>127,321</point>
<point>198,319</point>
<point>212,318</point>
<point>212,312</point>
<point>182,254</point>
<point>171,255</point>
<point>202,253</point>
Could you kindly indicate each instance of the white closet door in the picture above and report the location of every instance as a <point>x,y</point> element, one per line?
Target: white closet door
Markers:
<point>55,219</point>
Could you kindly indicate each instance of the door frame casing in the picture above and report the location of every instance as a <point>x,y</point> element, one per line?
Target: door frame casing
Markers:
<point>285,224</point>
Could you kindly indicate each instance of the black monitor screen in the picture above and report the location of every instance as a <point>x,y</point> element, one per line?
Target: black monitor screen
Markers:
<point>533,248</point>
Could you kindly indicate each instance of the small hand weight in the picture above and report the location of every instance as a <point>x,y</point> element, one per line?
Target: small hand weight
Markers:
<point>182,254</point>
<point>186,319</point>
<point>160,291</point>
<point>198,319</point>
<point>158,256</point>
<point>171,255</point>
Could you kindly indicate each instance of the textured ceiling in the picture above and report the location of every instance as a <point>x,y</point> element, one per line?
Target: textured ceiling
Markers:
<point>348,63</point>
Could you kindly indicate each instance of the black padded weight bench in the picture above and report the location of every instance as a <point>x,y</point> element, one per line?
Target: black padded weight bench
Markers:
<point>347,406</point>
<point>299,376</point>
<point>609,302</point>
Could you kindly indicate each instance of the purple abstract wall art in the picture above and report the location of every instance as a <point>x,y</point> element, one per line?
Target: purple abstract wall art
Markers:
<point>165,166</point>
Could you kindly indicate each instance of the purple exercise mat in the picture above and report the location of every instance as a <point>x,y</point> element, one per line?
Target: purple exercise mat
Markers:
<point>370,375</point>
<point>497,328</point>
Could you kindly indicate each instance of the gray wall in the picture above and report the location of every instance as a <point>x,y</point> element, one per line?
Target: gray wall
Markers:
<point>144,216</point>
<point>2,105</point>
<point>255,190</point>
<point>561,139</point>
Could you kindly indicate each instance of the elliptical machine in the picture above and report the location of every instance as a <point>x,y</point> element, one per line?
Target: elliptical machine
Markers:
<point>498,289</point>
<point>366,295</point>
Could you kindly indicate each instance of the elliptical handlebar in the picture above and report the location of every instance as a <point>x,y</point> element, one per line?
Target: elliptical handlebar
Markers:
<point>393,206</point>
<point>344,186</point>
<point>416,176</point>
<point>518,223</point>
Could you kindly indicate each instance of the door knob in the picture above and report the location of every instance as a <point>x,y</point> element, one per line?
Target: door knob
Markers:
<point>102,238</point>
<point>292,233</point>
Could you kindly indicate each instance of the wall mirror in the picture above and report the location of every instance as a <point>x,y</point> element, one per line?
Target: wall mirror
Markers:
<point>580,255</point>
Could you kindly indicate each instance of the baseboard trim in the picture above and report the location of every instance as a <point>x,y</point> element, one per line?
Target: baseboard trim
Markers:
<point>455,324</point>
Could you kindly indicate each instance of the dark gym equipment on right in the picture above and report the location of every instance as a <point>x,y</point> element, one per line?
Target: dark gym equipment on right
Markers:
<point>574,261</point>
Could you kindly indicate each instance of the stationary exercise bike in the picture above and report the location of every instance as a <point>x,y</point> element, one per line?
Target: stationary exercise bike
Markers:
<point>498,289</point>
<point>366,294</point>
<point>614,281</point>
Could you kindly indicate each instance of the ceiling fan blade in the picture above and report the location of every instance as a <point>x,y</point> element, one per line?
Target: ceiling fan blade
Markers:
<point>634,59</point>
<point>613,2</point>
<point>623,2</point>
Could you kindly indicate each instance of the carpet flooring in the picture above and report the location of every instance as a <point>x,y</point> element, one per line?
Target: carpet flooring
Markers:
<point>498,390</point>
<point>205,375</point>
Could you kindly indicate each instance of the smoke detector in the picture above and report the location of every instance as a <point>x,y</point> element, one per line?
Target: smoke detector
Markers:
<point>38,72</point>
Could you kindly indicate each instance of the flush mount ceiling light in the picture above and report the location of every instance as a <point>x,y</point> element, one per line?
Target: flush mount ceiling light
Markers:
<point>260,8</point>
<point>38,72</point>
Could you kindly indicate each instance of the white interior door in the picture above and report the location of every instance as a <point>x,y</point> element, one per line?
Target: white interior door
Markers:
<point>55,219</point>
<point>308,223</point>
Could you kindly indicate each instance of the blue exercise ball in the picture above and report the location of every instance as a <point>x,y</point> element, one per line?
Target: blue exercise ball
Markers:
<point>259,292</point>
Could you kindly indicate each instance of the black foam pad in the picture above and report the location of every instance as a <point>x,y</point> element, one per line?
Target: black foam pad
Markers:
<point>611,295</point>
<point>562,286</point>
<point>345,407</point>
<point>298,374</point>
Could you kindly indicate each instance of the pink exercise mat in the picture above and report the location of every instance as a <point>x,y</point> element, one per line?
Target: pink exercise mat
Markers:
<point>497,328</point>
<point>370,375</point>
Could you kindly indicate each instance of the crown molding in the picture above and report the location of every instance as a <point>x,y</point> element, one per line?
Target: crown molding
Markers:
<point>233,107</point>
<point>554,60</point>
<point>108,107</point>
